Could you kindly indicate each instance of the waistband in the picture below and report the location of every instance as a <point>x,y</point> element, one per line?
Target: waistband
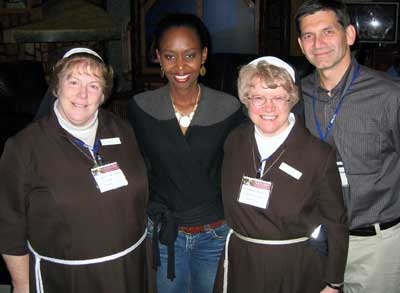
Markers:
<point>252,240</point>
<point>372,230</point>
<point>170,220</point>
<point>39,258</point>
<point>202,228</point>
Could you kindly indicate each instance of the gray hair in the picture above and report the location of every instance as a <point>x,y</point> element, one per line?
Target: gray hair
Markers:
<point>273,77</point>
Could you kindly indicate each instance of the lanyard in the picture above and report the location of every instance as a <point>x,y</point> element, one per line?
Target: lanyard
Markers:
<point>329,127</point>
<point>261,167</point>
<point>260,172</point>
<point>95,150</point>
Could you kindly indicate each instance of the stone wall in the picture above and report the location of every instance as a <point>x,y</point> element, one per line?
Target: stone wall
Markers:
<point>43,52</point>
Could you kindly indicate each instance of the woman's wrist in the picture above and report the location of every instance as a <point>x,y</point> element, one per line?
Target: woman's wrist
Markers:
<point>24,288</point>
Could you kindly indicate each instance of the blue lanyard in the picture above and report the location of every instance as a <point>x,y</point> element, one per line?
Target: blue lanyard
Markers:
<point>94,150</point>
<point>332,121</point>
<point>260,168</point>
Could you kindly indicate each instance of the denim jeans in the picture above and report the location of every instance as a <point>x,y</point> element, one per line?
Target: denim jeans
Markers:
<point>196,261</point>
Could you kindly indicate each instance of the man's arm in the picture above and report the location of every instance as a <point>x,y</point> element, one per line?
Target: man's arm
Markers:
<point>18,266</point>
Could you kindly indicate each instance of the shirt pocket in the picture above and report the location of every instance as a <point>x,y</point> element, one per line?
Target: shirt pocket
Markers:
<point>360,152</point>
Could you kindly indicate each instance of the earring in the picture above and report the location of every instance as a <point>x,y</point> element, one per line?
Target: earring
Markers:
<point>162,73</point>
<point>203,70</point>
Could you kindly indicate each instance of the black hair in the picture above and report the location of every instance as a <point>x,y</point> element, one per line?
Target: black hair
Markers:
<point>312,6</point>
<point>174,20</point>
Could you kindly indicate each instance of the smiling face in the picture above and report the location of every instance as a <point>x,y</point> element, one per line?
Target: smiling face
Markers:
<point>324,42</point>
<point>181,56</point>
<point>80,93</point>
<point>272,117</point>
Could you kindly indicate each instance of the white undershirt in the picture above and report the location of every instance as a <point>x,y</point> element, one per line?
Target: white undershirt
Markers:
<point>268,145</point>
<point>87,133</point>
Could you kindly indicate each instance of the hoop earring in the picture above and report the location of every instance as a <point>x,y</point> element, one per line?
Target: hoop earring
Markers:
<point>162,73</point>
<point>203,70</point>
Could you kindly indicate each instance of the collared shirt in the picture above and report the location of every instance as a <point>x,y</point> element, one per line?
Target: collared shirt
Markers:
<point>366,133</point>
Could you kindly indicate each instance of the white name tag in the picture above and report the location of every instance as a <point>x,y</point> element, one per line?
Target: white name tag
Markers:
<point>255,192</point>
<point>342,173</point>
<point>290,170</point>
<point>109,177</point>
<point>110,141</point>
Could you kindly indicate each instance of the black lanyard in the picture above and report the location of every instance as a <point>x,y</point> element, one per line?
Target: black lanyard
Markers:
<point>329,127</point>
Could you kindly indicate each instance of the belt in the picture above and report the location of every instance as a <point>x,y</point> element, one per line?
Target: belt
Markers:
<point>252,240</point>
<point>39,258</point>
<point>371,231</point>
<point>271,242</point>
<point>202,228</point>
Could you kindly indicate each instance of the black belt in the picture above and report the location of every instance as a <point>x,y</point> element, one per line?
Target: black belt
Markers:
<point>370,231</point>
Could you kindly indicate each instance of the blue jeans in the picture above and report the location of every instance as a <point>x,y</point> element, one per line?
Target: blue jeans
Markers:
<point>196,261</point>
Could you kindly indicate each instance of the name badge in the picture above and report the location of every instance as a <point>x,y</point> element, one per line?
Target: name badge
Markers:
<point>110,141</point>
<point>290,170</point>
<point>255,192</point>
<point>342,173</point>
<point>109,177</point>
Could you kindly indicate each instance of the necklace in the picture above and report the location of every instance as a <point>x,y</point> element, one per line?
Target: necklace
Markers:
<point>184,120</point>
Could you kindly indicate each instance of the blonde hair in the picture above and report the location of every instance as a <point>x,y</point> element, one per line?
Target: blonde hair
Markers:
<point>272,76</point>
<point>85,63</point>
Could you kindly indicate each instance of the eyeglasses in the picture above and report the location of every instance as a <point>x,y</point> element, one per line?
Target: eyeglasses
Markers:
<point>260,101</point>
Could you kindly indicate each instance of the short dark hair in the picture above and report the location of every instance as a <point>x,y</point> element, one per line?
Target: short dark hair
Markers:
<point>174,20</point>
<point>311,6</point>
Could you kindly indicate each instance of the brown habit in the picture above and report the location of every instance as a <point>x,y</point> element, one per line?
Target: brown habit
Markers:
<point>295,209</point>
<point>48,196</point>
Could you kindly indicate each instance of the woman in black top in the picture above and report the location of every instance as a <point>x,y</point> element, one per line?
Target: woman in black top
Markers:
<point>181,129</point>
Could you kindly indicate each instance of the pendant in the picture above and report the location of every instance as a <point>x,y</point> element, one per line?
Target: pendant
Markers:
<point>184,121</point>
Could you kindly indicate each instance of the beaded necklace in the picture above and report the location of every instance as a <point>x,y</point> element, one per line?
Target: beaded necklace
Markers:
<point>184,120</point>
